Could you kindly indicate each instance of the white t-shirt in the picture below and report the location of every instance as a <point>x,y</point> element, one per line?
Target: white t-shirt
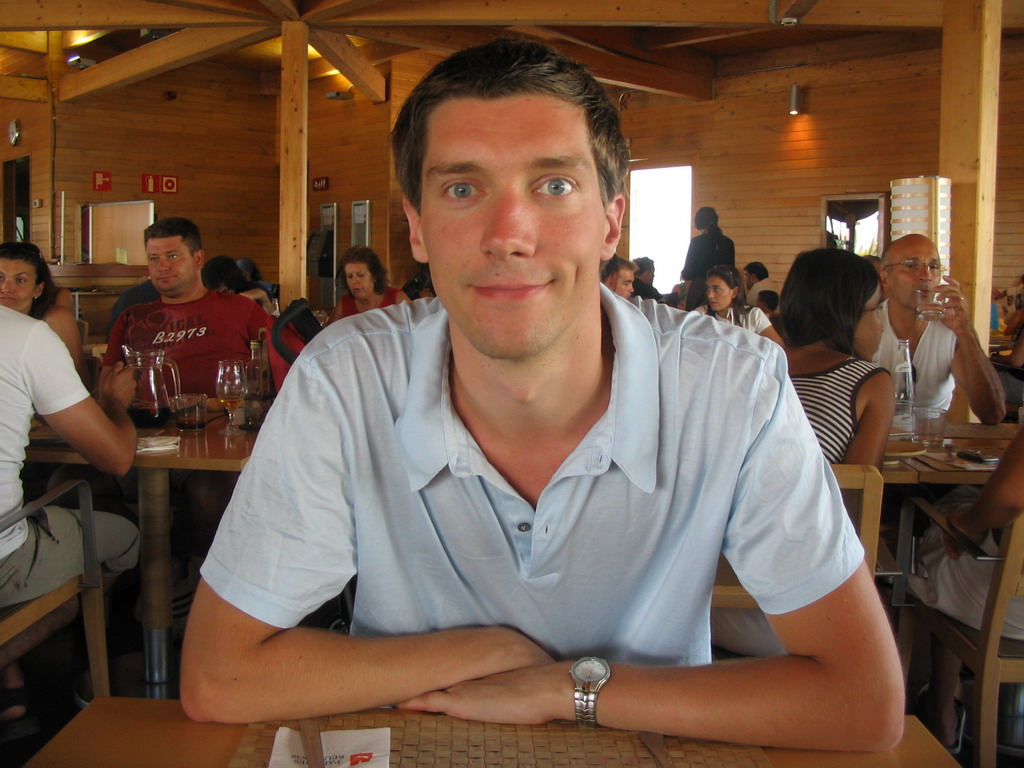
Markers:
<point>36,375</point>
<point>753,319</point>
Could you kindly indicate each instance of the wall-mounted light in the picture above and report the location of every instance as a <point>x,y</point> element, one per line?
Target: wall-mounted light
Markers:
<point>341,95</point>
<point>74,60</point>
<point>796,99</point>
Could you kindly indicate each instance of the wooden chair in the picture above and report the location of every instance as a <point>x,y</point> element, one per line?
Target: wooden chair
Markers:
<point>862,494</point>
<point>15,619</point>
<point>992,658</point>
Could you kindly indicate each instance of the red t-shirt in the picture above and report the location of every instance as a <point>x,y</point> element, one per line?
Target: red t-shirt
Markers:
<point>196,334</point>
<point>348,304</point>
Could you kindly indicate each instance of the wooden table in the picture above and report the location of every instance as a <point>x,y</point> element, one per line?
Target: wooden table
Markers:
<point>148,733</point>
<point>204,449</point>
<point>915,470</point>
<point>912,470</point>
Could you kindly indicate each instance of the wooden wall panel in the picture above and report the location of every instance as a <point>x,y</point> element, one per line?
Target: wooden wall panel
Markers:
<point>348,144</point>
<point>866,122</point>
<point>216,135</point>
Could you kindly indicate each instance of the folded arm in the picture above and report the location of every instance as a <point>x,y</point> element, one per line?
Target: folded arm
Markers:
<point>236,668</point>
<point>840,687</point>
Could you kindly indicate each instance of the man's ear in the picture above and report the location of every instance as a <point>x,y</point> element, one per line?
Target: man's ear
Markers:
<point>613,223</point>
<point>200,256</point>
<point>419,251</point>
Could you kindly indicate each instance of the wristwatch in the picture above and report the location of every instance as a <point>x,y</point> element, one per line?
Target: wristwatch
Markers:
<point>588,674</point>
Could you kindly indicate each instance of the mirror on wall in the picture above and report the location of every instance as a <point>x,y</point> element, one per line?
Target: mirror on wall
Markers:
<point>855,222</point>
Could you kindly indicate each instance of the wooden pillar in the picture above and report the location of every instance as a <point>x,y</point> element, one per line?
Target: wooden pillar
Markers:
<point>293,133</point>
<point>971,38</point>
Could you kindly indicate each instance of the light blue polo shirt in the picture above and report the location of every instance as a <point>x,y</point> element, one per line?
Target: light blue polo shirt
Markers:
<point>364,466</point>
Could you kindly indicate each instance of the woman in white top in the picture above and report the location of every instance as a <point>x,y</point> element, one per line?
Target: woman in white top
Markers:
<point>726,299</point>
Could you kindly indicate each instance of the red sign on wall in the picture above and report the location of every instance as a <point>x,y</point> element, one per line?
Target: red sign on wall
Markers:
<point>101,181</point>
<point>153,183</point>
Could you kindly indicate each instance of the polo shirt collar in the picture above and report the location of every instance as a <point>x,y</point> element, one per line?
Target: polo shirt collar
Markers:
<point>433,436</point>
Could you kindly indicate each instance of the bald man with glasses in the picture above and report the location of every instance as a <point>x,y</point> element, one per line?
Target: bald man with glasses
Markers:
<point>946,353</point>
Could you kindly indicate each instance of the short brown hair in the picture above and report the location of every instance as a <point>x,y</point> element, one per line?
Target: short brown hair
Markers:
<point>501,68</point>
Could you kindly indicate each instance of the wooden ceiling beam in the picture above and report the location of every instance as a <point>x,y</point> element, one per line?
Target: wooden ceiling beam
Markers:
<point>660,38</point>
<point>285,10</point>
<point>30,42</point>
<point>324,10</point>
<point>608,68</point>
<point>336,48</point>
<point>171,52</point>
<point>73,38</point>
<point>848,13</point>
<point>104,14</point>
<point>24,88</point>
<point>254,10</point>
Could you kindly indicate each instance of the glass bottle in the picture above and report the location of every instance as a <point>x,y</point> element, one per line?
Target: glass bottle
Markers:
<point>259,389</point>
<point>903,381</point>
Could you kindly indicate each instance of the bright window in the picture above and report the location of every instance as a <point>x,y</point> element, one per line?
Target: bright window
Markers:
<point>659,220</point>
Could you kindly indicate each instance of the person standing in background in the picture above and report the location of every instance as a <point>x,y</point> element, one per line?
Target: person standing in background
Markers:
<point>709,249</point>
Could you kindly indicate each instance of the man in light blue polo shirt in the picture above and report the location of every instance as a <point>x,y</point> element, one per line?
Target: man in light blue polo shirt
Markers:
<point>530,544</point>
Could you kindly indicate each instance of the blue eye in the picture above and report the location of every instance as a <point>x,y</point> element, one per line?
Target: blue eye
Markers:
<point>558,187</point>
<point>461,191</point>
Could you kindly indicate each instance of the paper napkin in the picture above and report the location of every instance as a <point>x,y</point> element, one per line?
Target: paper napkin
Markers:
<point>158,443</point>
<point>367,747</point>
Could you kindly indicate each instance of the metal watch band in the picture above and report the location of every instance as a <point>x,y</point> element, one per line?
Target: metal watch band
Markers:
<point>586,707</point>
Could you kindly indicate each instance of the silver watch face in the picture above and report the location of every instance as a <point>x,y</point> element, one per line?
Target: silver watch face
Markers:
<point>590,670</point>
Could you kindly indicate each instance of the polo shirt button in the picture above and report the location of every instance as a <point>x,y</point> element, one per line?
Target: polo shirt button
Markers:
<point>523,527</point>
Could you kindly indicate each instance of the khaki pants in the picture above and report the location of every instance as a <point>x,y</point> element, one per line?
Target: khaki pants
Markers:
<point>52,553</point>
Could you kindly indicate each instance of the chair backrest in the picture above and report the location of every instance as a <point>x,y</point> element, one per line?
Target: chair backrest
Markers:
<point>862,486</point>
<point>302,320</point>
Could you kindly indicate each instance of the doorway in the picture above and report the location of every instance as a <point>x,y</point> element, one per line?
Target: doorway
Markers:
<point>17,200</point>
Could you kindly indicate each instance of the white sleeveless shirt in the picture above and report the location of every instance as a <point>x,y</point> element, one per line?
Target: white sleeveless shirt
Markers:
<point>932,361</point>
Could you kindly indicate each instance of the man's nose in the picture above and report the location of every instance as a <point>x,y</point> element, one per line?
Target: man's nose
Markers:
<point>510,227</point>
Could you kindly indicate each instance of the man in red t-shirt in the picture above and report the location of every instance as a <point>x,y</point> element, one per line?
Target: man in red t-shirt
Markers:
<point>196,327</point>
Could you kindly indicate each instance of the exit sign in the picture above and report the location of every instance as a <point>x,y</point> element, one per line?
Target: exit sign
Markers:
<point>321,183</point>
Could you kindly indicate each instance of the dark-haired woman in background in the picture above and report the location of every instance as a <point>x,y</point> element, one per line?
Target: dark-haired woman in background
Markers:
<point>831,319</point>
<point>710,248</point>
<point>222,273</point>
<point>365,281</point>
<point>27,286</point>
<point>725,298</point>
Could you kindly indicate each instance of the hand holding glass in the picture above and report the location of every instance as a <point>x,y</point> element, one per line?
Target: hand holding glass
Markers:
<point>231,391</point>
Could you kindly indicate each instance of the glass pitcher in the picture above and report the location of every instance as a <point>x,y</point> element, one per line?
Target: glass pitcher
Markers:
<point>151,406</point>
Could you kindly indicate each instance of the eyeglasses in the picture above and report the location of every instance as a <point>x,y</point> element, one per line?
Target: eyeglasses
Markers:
<point>914,265</point>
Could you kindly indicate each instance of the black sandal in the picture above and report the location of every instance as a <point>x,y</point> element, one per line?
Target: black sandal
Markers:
<point>23,726</point>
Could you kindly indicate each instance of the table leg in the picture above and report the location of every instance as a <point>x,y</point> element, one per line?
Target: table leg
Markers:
<point>155,572</point>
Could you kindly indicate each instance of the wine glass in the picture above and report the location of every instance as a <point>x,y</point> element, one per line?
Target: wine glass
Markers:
<point>231,391</point>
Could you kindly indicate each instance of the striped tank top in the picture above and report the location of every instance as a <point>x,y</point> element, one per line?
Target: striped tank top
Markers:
<point>829,399</point>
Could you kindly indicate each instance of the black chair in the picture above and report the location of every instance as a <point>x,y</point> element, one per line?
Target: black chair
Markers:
<point>302,320</point>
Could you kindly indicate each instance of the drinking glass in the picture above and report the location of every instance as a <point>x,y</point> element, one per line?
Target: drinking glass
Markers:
<point>231,391</point>
<point>928,303</point>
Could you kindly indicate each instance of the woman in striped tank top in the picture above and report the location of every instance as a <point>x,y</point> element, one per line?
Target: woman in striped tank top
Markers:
<point>832,326</point>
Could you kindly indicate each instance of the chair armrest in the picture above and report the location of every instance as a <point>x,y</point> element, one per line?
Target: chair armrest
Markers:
<point>88,522</point>
<point>957,536</point>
